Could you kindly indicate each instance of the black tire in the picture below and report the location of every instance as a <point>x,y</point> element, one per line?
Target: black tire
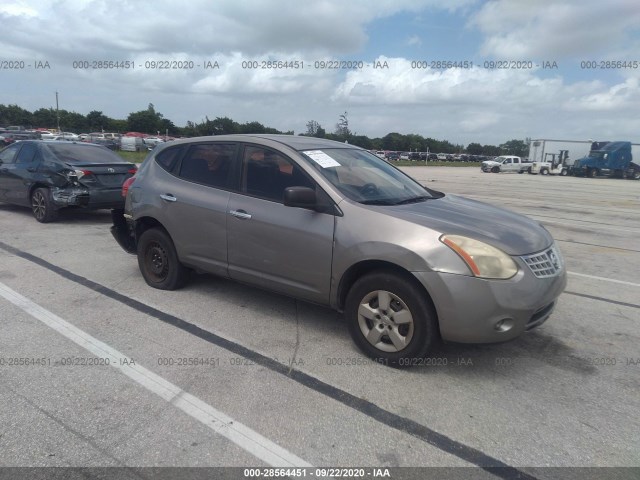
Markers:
<point>564,172</point>
<point>591,172</point>
<point>406,301</point>
<point>495,170</point>
<point>158,261</point>
<point>544,171</point>
<point>42,206</point>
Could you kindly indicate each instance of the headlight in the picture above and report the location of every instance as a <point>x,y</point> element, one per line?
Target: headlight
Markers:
<point>483,260</point>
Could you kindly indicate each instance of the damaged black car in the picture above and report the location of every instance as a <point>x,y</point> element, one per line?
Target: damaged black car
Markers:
<point>47,176</point>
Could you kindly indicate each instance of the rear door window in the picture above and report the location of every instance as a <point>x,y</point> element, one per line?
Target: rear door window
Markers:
<point>169,158</point>
<point>27,153</point>
<point>8,155</point>
<point>209,164</point>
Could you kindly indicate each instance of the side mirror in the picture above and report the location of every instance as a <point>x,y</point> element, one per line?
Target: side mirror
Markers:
<point>301,197</point>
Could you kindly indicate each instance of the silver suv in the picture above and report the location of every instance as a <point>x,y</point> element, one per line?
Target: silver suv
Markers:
<point>333,224</point>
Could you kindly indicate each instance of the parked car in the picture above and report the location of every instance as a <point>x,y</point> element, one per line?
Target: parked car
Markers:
<point>69,135</point>
<point>506,163</point>
<point>111,144</point>
<point>302,216</point>
<point>151,142</point>
<point>50,175</point>
<point>395,156</point>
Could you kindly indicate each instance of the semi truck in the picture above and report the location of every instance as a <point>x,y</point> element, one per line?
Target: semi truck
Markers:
<point>614,159</point>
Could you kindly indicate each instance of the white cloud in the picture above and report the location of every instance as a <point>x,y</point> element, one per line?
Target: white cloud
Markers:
<point>414,40</point>
<point>489,106</point>
<point>551,29</point>
<point>123,27</point>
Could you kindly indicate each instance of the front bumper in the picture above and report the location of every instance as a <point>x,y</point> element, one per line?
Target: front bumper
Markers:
<point>476,310</point>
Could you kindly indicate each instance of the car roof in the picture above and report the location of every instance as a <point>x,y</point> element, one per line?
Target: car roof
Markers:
<point>296,142</point>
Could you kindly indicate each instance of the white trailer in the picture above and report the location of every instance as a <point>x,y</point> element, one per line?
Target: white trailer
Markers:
<point>540,150</point>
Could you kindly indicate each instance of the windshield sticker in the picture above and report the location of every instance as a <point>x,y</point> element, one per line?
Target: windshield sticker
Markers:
<point>322,159</point>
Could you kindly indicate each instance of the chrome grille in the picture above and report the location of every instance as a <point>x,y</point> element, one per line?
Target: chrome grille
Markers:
<point>544,264</point>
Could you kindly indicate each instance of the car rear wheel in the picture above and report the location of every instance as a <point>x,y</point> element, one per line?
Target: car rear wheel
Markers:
<point>390,319</point>
<point>158,261</point>
<point>42,205</point>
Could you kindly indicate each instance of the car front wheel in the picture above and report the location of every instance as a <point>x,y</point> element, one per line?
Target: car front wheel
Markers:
<point>390,319</point>
<point>42,205</point>
<point>158,261</point>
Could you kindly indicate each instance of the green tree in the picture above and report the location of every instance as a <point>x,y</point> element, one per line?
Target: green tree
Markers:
<point>515,147</point>
<point>45,118</point>
<point>252,127</point>
<point>314,129</point>
<point>342,127</point>
<point>393,141</point>
<point>15,115</point>
<point>491,150</point>
<point>96,121</point>
<point>474,149</point>
<point>145,121</point>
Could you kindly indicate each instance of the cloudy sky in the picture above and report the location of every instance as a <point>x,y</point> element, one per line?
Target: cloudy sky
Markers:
<point>573,98</point>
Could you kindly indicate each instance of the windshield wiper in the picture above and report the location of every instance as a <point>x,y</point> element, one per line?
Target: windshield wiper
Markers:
<point>421,198</point>
<point>377,201</point>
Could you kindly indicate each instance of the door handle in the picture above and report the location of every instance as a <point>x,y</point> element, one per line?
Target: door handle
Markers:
<point>168,197</point>
<point>240,214</point>
<point>31,169</point>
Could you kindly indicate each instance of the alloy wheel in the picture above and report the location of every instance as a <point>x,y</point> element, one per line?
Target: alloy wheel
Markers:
<point>385,321</point>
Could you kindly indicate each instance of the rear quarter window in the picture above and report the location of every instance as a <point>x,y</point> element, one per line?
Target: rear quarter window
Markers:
<point>169,157</point>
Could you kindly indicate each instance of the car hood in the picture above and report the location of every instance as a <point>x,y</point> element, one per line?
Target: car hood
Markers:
<point>491,162</point>
<point>511,232</point>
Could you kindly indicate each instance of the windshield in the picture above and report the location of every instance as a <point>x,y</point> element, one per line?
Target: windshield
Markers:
<point>365,178</point>
<point>83,153</point>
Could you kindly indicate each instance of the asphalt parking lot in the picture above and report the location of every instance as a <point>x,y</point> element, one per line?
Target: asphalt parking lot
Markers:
<point>221,374</point>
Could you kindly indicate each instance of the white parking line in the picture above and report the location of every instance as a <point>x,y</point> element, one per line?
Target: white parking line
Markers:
<point>612,280</point>
<point>222,424</point>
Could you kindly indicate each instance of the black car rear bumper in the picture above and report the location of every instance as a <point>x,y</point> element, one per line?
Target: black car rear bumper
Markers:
<point>72,196</point>
<point>122,233</point>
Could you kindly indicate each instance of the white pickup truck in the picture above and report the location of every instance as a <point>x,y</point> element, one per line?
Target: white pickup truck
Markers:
<point>506,163</point>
